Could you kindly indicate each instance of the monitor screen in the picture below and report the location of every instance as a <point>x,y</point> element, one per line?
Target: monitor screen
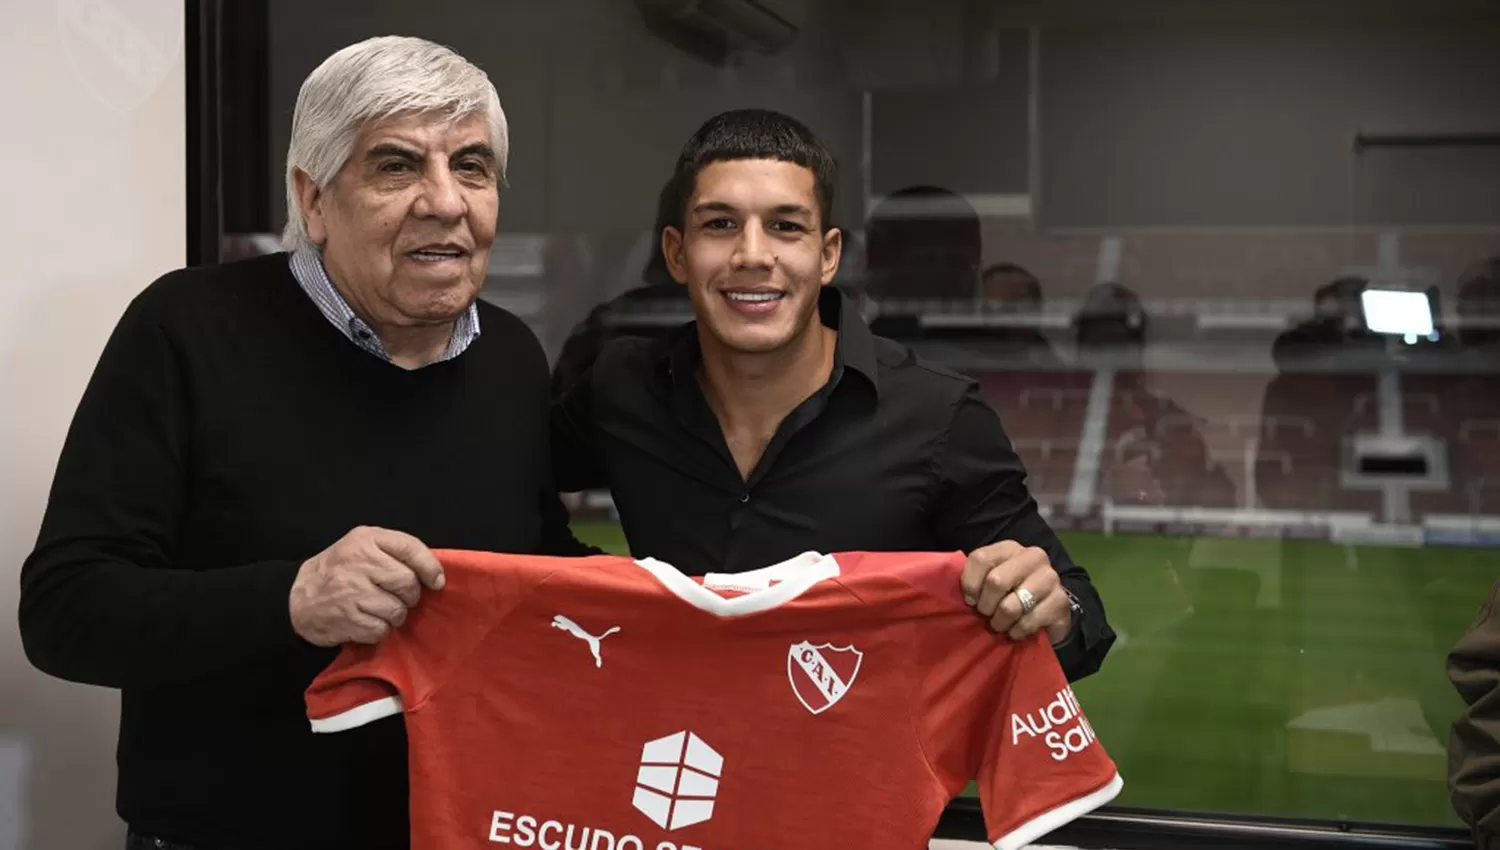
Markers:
<point>1399,312</point>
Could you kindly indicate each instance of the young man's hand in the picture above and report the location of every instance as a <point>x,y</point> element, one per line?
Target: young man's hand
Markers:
<point>1001,578</point>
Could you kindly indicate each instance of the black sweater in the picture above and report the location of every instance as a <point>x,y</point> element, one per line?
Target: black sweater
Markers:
<point>229,433</point>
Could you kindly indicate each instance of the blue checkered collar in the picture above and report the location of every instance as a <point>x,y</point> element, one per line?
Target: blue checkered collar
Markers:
<point>307,267</point>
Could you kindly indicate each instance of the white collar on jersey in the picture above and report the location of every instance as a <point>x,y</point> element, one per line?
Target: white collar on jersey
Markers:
<point>765,588</point>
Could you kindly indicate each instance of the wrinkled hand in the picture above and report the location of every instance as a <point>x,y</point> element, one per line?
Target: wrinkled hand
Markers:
<point>991,577</point>
<point>361,587</point>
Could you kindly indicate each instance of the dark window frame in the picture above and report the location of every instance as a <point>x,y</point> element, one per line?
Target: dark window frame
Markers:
<point>227,57</point>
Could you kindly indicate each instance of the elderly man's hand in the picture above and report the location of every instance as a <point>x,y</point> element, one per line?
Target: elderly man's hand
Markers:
<point>994,579</point>
<point>358,589</point>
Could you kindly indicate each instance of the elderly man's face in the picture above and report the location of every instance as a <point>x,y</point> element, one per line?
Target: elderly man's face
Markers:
<point>406,226</point>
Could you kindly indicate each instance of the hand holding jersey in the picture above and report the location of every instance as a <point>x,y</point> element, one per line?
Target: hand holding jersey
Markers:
<point>361,587</point>
<point>827,701</point>
<point>1018,589</point>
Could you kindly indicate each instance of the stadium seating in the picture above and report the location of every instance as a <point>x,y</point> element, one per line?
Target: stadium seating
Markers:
<point>1200,428</point>
<point>1249,265</point>
<point>1208,440</point>
<point>1306,420</point>
<point>1043,413</point>
<point>1464,412</point>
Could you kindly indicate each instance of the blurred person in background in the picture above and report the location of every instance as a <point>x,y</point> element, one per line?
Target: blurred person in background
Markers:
<point>1474,741</point>
<point>1015,292</point>
<point>1159,456</point>
<point>1011,287</point>
<point>1337,324</point>
<point>1112,323</point>
<point>265,452</point>
<point>621,316</point>
<point>1479,300</point>
<point>1333,341</point>
<point>923,243</point>
<point>777,423</point>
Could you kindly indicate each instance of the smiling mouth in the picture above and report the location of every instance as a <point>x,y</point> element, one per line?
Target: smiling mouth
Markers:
<point>754,297</point>
<point>435,255</point>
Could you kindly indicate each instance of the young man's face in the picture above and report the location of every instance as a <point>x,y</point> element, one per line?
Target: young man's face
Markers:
<point>753,253</point>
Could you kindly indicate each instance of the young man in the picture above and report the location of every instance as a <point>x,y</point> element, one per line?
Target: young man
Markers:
<point>777,423</point>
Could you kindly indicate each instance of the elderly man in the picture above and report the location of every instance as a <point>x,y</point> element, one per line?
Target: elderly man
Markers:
<point>267,449</point>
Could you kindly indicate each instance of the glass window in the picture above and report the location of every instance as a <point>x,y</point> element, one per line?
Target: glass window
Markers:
<point>1229,272</point>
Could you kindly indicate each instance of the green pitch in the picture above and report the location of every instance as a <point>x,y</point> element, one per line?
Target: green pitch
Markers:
<point>1296,678</point>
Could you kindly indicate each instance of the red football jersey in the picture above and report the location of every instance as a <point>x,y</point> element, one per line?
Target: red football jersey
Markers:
<point>611,704</point>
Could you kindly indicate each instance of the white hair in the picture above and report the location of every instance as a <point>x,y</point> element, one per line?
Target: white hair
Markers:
<point>370,81</point>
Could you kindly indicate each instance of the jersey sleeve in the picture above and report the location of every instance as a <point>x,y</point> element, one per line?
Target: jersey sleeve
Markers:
<point>1002,713</point>
<point>368,682</point>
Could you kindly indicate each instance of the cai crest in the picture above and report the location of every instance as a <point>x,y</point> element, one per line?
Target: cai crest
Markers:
<point>822,673</point>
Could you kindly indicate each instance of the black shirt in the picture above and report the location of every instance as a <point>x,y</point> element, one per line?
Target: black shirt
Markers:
<point>229,433</point>
<point>891,454</point>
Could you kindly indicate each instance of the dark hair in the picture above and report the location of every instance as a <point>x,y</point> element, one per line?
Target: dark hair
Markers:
<point>1481,283</point>
<point>923,217</point>
<point>656,271</point>
<point>1007,268</point>
<point>753,134</point>
<point>1111,313</point>
<point>1033,286</point>
<point>1343,288</point>
<point>923,242</point>
<point>1479,295</point>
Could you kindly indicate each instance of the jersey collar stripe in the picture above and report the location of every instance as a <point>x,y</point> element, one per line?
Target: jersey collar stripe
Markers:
<point>800,574</point>
<point>1048,821</point>
<point>766,576</point>
<point>359,715</point>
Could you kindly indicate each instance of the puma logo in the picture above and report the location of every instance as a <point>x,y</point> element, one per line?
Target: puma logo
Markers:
<point>572,628</point>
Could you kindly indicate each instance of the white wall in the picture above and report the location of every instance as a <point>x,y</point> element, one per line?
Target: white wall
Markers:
<point>93,210</point>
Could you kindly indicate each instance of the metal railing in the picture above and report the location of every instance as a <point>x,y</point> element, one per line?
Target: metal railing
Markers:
<point>1123,828</point>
